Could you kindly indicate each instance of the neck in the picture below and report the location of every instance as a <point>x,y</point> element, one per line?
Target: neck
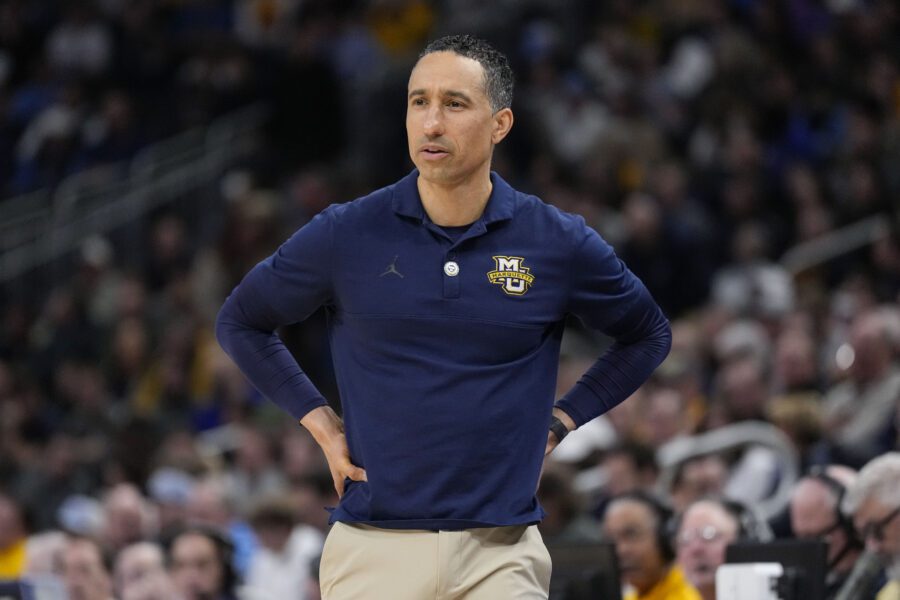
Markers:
<point>455,204</point>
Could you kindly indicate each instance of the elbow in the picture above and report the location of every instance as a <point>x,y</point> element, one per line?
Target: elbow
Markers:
<point>225,324</point>
<point>664,338</point>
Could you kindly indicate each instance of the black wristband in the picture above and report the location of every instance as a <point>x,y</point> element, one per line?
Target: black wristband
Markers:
<point>558,428</point>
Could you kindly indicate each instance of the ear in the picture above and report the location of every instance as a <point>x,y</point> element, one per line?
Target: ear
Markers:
<point>502,123</point>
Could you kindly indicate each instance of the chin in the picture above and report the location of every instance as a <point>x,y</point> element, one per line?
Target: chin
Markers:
<point>435,174</point>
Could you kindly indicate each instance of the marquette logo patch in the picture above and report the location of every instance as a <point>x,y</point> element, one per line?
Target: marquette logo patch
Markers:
<point>511,275</point>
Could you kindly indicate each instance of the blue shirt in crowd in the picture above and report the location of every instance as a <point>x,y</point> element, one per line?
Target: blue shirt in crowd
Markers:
<point>445,346</point>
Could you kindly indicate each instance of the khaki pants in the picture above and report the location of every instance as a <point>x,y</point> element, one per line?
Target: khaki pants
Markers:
<point>360,562</point>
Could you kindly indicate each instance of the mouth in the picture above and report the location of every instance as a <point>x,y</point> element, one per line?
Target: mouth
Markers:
<point>433,152</point>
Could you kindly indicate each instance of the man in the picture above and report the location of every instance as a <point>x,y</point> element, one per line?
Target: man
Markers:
<point>705,530</point>
<point>698,477</point>
<point>140,573</point>
<point>861,408</point>
<point>874,503</point>
<point>815,513</point>
<point>84,571</point>
<point>447,294</point>
<point>200,564</point>
<point>636,524</point>
<point>280,567</point>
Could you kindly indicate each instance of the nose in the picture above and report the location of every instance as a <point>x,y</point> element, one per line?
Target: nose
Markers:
<point>434,122</point>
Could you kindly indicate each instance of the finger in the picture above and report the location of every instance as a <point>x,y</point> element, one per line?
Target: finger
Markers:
<point>357,474</point>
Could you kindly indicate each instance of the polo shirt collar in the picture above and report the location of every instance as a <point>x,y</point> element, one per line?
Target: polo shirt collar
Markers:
<point>500,206</point>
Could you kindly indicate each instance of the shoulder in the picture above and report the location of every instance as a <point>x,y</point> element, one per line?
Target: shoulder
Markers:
<point>372,204</point>
<point>549,218</point>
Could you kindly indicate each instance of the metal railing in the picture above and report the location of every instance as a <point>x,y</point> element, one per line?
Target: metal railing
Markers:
<point>740,437</point>
<point>836,243</point>
<point>38,228</point>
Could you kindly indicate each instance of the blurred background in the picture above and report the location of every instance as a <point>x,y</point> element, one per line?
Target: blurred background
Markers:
<point>740,155</point>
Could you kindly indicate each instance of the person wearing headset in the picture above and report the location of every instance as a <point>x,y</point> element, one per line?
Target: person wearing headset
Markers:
<point>815,512</point>
<point>706,527</point>
<point>637,524</point>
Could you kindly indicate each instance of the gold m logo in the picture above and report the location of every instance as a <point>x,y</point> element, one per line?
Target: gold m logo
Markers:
<point>510,274</point>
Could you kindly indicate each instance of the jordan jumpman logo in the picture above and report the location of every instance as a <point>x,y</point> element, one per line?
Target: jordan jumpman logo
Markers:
<point>392,268</point>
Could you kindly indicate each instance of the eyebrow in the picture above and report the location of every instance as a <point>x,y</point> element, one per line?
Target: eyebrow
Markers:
<point>449,93</point>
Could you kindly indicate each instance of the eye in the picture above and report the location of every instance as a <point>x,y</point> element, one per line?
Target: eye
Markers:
<point>454,104</point>
<point>418,102</point>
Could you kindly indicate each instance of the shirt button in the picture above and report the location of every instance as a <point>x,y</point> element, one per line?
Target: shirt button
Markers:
<point>451,269</point>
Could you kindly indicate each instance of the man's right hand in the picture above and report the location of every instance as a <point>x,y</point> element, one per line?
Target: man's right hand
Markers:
<point>328,431</point>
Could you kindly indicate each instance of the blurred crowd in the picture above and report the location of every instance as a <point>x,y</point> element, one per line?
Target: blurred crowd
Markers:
<point>702,138</point>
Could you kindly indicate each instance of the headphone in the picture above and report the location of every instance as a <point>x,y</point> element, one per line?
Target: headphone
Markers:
<point>820,474</point>
<point>750,527</point>
<point>664,519</point>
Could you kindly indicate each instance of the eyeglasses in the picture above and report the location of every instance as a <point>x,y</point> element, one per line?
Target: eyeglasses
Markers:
<point>704,534</point>
<point>876,529</point>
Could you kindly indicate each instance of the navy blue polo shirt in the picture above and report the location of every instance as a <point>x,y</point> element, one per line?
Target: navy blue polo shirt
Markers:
<point>445,346</point>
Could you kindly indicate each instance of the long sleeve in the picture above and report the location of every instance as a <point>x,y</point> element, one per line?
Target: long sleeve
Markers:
<point>610,298</point>
<point>285,288</point>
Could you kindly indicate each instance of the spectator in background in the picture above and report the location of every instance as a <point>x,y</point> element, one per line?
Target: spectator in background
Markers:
<point>629,466</point>
<point>254,471</point>
<point>127,519</point>
<point>81,43</point>
<point>636,523</point>
<point>85,570</point>
<point>201,565</point>
<point>795,365</point>
<point>310,494</point>
<point>280,568</point>
<point>874,504</point>
<point>565,521</point>
<point>665,416</point>
<point>859,412</point>
<point>13,537</point>
<point>169,491</point>
<point>140,573</point>
<point>44,553</point>
<point>815,512</point>
<point>696,478</point>
<point>210,506</point>
<point>703,532</point>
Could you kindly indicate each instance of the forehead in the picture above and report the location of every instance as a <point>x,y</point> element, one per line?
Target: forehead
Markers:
<point>442,71</point>
<point>193,544</point>
<point>629,513</point>
<point>811,496</point>
<point>707,513</point>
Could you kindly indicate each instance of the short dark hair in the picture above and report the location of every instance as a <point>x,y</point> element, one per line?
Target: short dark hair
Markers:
<point>498,75</point>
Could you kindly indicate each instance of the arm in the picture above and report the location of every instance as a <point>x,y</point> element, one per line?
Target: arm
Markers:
<point>609,298</point>
<point>286,288</point>
<point>328,431</point>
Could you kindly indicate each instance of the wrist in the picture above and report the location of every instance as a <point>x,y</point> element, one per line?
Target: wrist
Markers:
<point>558,428</point>
<point>323,424</point>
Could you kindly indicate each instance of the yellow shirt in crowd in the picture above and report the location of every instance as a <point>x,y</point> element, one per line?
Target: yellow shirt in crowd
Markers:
<point>12,560</point>
<point>672,587</point>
